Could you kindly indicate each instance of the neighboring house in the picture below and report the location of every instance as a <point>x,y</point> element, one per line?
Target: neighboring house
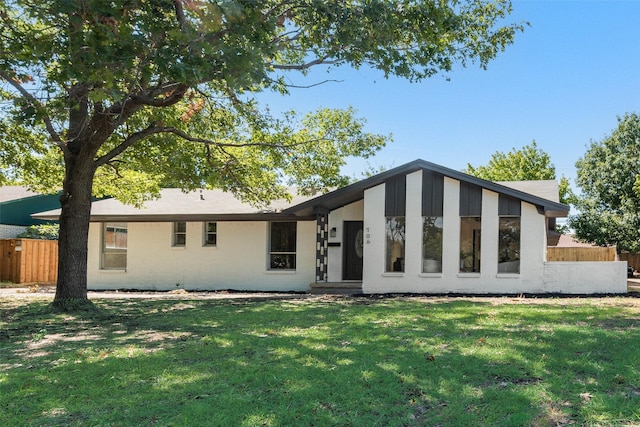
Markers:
<point>17,203</point>
<point>418,228</point>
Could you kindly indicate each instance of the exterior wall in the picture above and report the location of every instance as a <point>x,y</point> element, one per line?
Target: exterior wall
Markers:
<point>412,280</point>
<point>351,212</point>
<point>239,261</point>
<point>585,277</point>
<point>11,231</point>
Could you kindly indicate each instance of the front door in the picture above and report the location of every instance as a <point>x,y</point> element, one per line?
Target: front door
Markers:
<point>353,239</point>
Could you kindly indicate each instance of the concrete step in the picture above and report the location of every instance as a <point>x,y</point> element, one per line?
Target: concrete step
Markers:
<point>335,288</point>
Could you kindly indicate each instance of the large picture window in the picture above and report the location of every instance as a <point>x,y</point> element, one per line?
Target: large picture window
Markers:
<point>395,235</point>
<point>509,245</point>
<point>432,244</point>
<point>470,228</point>
<point>114,246</point>
<point>282,245</point>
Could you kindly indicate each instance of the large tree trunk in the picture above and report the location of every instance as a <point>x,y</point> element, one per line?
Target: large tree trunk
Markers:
<point>74,229</point>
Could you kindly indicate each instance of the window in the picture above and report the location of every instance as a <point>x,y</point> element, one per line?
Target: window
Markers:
<point>114,246</point>
<point>509,245</point>
<point>432,244</point>
<point>179,234</point>
<point>282,246</point>
<point>470,244</point>
<point>395,233</point>
<point>210,234</point>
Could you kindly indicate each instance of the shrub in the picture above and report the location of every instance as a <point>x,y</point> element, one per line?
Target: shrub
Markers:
<point>42,232</point>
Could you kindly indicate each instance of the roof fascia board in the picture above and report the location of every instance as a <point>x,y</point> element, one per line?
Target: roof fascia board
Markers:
<point>191,217</point>
<point>549,207</point>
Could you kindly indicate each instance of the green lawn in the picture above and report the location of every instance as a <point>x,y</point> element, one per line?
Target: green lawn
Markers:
<point>322,362</point>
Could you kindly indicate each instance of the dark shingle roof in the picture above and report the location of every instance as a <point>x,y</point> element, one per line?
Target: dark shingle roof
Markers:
<point>351,193</point>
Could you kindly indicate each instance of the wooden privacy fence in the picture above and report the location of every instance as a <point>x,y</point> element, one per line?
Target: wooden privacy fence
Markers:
<point>555,253</point>
<point>28,260</point>
<point>632,259</point>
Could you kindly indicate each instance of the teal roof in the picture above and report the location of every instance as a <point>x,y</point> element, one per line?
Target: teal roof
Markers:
<point>17,204</point>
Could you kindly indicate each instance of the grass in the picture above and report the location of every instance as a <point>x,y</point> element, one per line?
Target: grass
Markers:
<point>322,362</point>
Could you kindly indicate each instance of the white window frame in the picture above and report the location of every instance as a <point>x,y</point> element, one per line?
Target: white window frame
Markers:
<point>504,265</point>
<point>179,237</point>
<point>431,264</point>
<point>206,233</point>
<point>395,243</point>
<point>270,258</point>
<point>106,249</point>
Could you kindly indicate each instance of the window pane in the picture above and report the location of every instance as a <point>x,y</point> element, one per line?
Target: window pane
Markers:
<point>282,261</point>
<point>180,240</point>
<point>282,249</point>
<point>114,260</point>
<point>395,233</point>
<point>509,245</point>
<point>115,236</point>
<point>212,240</point>
<point>283,237</point>
<point>114,246</point>
<point>179,234</point>
<point>470,244</point>
<point>432,244</point>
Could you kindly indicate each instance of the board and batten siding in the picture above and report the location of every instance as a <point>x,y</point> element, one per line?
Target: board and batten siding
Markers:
<point>412,280</point>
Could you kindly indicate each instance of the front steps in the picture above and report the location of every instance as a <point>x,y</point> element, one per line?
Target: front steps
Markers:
<point>335,288</point>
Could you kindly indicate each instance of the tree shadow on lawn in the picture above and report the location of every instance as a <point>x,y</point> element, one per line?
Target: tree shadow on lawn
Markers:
<point>334,362</point>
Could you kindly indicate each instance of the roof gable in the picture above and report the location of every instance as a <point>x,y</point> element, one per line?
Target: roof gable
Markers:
<point>354,192</point>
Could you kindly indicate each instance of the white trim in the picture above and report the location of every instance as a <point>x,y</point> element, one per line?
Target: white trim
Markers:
<point>508,275</point>
<point>393,274</point>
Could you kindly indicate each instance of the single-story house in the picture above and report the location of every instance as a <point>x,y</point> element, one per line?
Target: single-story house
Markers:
<point>17,204</point>
<point>417,228</point>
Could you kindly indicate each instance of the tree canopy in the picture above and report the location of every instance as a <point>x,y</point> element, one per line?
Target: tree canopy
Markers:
<point>120,98</point>
<point>528,163</point>
<point>609,177</point>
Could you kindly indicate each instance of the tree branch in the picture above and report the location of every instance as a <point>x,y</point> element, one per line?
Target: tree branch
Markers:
<point>38,105</point>
<point>313,84</point>
<point>302,66</point>
<point>128,142</point>
<point>175,94</point>
<point>190,138</point>
<point>156,129</point>
<point>179,14</point>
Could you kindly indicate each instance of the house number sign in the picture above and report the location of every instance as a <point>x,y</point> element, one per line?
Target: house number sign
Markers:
<point>368,236</point>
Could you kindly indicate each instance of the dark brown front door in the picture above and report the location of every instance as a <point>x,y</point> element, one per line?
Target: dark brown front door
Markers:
<point>353,239</point>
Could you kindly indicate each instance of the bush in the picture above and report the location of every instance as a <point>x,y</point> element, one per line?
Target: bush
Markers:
<point>42,232</point>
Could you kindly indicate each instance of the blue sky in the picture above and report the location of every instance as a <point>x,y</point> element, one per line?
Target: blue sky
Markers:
<point>563,82</point>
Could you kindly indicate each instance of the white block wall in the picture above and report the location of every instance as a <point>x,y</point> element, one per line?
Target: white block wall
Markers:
<point>239,261</point>
<point>585,277</point>
<point>11,231</point>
